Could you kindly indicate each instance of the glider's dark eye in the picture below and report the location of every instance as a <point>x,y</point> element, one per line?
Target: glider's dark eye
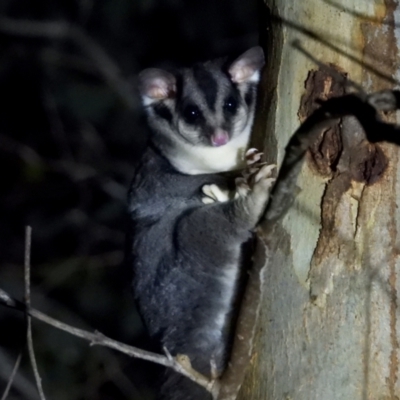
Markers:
<point>191,114</point>
<point>230,105</point>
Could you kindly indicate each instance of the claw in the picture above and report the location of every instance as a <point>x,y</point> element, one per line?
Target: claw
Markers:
<point>253,156</point>
<point>265,172</point>
<point>251,151</point>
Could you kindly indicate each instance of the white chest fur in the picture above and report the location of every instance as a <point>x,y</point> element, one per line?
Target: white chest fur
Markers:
<point>195,160</point>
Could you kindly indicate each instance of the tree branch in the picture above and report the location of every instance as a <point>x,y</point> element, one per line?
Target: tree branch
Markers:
<point>99,339</point>
<point>12,376</point>
<point>29,340</point>
<point>232,378</point>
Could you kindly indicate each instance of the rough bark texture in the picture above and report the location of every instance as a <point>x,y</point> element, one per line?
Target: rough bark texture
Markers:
<point>329,326</point>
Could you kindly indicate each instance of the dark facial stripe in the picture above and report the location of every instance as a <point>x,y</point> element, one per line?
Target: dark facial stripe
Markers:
<point>249,96</point>
<point>207,84</point>
<point>162,111</point>
<point>231,104</point>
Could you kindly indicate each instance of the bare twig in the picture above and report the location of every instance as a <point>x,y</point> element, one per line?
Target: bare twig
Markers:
<point>99,339</point>
<point>330,45</point>
<point>27,265</point>
<point>62,30</point>
<point>183,366</point>
<point>29,341</point>
<point>232,378</point>
<point>12,376</point>
<point>21,383</point>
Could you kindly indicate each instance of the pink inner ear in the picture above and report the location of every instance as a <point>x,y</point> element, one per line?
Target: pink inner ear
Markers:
<point>247,65</point>
<point>156,84</point>
<point>159,89</point>
<point>241,72</point>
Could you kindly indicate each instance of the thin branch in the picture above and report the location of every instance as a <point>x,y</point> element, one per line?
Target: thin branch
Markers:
<point>29,341</point>
<point>99,339</point>
<point>62,30</point>
<point>233,376</point>
<point>27,265</point>
<point>329,44</point>
<point>21,384</point>
<point>183,365</point>
<point>363,17</point>
<point>12,376</point>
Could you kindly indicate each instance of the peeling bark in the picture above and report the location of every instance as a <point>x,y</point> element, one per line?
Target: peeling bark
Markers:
<point>329,326</point>
<point>321,85</point>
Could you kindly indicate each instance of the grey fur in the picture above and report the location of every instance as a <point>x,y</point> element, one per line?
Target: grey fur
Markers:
<point>187,256</point>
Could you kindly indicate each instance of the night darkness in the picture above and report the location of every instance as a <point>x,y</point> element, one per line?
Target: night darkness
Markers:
<point>68,145</point>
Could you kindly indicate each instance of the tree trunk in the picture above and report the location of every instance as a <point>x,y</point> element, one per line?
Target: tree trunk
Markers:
<point>329,321</point>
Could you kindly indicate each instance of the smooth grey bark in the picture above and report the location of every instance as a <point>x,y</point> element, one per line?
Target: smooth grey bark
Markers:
<point>329,324</point>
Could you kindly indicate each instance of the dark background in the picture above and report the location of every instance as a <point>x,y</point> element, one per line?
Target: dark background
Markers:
<point>69,140</point>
